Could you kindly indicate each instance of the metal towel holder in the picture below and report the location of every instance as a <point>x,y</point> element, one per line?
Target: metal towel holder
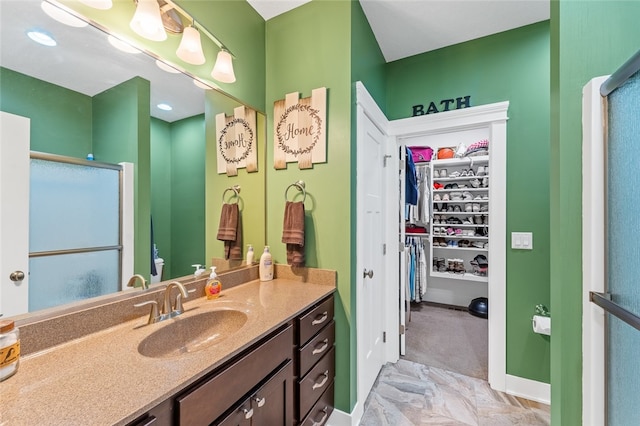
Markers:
<point>236,191</point>
<point>300,186</point>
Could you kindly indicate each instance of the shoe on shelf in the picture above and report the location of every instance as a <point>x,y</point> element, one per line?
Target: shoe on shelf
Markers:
<point>466,195</point>
<point>485,196</point>
<point>475,183</point>
<point>457,209</point>
<point>484,208</point>
<point>454,174</point>
<point>449,208</point>
<point>485,182</point>
<point>468,207</point>
<point>436,197</point>
<point>475,207</point>
<point>467,221</point>
<point>481,171</point>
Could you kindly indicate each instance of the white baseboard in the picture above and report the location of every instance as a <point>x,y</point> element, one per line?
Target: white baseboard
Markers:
<point>529,389</point>
<point>340,418</point>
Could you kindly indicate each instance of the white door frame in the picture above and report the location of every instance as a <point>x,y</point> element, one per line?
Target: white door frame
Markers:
<point>493,116</point>
<point>593,253</point>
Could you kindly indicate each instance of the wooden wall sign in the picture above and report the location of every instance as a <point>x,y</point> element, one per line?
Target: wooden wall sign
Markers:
<point>300,129</point>
<point>236,141</point>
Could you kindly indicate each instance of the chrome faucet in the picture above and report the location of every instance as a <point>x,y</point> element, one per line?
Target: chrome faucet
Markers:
<point>177,308</point>
<point>138,277</point>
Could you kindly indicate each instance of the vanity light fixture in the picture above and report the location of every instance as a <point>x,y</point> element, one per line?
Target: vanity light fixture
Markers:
<point>62,16</point>
<point>147,21</point>
<point>98,4</point>
<point>42,38</point>
<point>190,49</point>
<point>223,69</point>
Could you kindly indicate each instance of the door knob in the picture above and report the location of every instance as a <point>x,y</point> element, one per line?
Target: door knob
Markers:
<point>16,276</point>
<point>367,273</point>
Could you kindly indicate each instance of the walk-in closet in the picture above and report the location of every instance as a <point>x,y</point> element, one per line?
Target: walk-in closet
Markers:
<point>448,214</point>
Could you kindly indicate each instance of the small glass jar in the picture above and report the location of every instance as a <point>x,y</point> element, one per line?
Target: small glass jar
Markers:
<point>9,349</point>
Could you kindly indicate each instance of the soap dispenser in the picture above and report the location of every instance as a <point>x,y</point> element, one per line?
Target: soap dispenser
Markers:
<point>250,255</point>
<point>199,270</point>
<point>266,265</point>
<point>213,287</point>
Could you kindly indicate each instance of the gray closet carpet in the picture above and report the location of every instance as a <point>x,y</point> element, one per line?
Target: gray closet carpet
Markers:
<point>446,338</point>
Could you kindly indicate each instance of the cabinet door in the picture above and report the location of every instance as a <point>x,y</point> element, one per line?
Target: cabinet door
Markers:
<point>272,404</point>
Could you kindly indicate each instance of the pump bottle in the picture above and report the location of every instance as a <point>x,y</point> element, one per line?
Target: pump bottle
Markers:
<point>213,287</point>
<point>266,265</point>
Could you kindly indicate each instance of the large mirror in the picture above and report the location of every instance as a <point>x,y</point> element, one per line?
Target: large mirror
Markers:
<point>180,192</point>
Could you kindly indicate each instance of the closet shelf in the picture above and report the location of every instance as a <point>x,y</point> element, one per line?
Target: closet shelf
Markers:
<point>417,234</point>
<point>462,237</point>
<point>481,159</point>
<point>459,225</point>
<point>466,276</point>
<point>460,248</point>
<point>461,202</point>
<point>483,189</point>
<point>463,213</point>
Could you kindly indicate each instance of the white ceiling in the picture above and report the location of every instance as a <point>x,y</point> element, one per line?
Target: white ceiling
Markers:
<point>408,27</point>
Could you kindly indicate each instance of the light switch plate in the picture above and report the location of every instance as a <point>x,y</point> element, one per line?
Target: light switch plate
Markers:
<point>522,240</point>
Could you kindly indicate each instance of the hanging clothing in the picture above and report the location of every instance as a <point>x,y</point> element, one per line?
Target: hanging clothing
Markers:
<point>411,180</point>
<point>417,273</point>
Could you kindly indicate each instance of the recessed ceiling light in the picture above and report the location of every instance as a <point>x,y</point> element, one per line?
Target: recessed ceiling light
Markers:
<point>41,37</point>
<point>62,16</point>
<point>166,67</point>
<point>165,107</point>
<point>121,45</point>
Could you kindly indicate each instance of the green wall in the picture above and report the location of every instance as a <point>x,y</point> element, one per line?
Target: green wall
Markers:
<point>161,190</point>
<point>187,194</point>
<point>590,39</point>
<point>511,66</point>
<point>309,48</point>
<point>60,118</point>
<point>121,133</point>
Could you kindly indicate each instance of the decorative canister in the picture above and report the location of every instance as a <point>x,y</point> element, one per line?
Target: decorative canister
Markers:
<point>9,349</point>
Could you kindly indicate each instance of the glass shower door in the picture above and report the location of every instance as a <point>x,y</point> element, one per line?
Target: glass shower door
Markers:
<point>623,252</point>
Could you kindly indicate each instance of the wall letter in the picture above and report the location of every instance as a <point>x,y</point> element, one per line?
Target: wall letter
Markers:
<point>418,110</point>
<point>461,104</point>
<point>446,103</point>
<point>432,108</point>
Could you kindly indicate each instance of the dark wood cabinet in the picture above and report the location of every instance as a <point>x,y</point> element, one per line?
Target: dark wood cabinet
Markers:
<point>315,361</point>
<point>271,404</point>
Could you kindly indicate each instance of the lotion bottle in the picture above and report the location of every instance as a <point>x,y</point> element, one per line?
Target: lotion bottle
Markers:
<point>213,287</point>
<point>250,255</point>
<point>266,265</point>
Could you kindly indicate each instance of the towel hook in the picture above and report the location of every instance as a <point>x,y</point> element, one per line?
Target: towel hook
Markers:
<point>300,186</point>
<point>236,191</point>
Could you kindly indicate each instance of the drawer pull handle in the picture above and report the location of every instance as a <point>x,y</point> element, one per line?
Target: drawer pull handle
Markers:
<point>260,401</point>
<point>322,383</point>
<point>320,320</point>
<point>247,413</point>
<point>325,410</point>
<point>321,349</point>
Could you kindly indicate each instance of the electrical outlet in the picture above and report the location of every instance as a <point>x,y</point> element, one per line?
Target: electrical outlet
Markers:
<point>522,240</point>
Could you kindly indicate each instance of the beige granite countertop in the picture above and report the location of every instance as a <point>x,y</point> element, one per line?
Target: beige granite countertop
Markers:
<point>102,379</point>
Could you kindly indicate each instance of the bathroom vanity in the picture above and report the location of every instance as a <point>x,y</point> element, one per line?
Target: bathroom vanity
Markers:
<point>274,366</point>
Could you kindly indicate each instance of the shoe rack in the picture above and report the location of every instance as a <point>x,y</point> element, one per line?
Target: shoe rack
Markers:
<point>460,218</point>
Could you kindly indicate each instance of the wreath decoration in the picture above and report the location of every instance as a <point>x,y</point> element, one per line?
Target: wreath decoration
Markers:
<point>283,119</point>
<point>223,134</point>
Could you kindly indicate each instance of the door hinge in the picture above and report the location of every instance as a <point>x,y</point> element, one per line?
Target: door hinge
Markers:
<point>401,329</point>
<point>384,160</point>
<point>384,337</point>
<point>384,249</point>
<point>401,247</point>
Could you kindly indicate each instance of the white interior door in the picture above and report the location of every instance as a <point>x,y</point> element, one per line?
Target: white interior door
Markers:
<point>14,214</point>
<point>402,279</point>
<point>371,271</point>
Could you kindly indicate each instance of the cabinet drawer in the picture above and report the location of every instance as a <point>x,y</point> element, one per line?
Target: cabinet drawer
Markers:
<point>313,351</point>
<point>313,385</point>
<point>321,411</point>
<point>312,322</point>
<point>211,399</point>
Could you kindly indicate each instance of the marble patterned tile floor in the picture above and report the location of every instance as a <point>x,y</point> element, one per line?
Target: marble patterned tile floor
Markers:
<point>409,394</point>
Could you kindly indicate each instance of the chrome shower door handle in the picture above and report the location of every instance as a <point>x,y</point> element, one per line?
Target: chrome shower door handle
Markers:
<point>368,273</point>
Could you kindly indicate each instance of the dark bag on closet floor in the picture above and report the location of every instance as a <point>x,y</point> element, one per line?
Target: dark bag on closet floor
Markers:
<point>421,154</point>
